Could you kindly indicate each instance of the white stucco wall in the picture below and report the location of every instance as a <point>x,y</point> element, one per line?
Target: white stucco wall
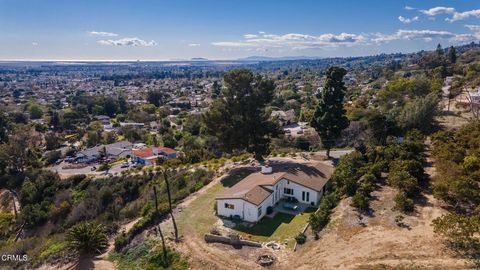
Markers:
<point>297,191</point>
<point>251,210</point>
<point>247,211</point>
<point>227,212</point>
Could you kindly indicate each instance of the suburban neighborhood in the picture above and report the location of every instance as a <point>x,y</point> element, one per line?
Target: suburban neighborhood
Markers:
<point>145,135</point>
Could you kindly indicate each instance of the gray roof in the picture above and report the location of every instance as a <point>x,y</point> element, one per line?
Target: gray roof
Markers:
<point>113,149</point>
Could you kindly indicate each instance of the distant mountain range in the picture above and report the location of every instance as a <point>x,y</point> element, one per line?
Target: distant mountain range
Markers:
<point>283,58</point>
<point>199,59</point>
<point>257,58</point>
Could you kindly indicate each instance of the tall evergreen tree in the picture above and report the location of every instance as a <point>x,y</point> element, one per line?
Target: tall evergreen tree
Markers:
<point>55,120</point>
<point>452,55</point>
<point>439,49</point>
<point>329,119</point>
<point>239,119</point>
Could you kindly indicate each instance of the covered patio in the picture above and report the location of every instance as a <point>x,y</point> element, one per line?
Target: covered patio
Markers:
<point>283,206</point>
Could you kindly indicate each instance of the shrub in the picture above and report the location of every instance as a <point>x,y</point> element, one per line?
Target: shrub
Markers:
<point>403,203</point>
<point>360,201</point>
<point>103,167</point>
<point>215,207</point>
<point>121,241</point>
<point>301,238</point>
<point>403,181</point>
<point>399,220</point>
<point>302,143</point>
<point>7,224</point>
<point>52,156</point>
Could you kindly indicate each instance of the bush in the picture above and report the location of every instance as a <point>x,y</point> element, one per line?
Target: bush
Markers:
<point>399,220</point>
<point>302,143</point>
<point>52,156</point>
<point>103,167</point>
<point>360,201</point>
<point>215,207</point>
<point>121,241</point>
<point>301,238</point>
<point>403,203</point>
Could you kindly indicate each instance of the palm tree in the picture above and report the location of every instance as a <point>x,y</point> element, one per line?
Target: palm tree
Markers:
<point>165,165</point>
<point>87,238</point>
<point>159,229</point>
<point>104,154</point>
<point>167,185</point>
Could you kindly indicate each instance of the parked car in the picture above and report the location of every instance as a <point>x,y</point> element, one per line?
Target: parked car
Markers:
<point>58,161</point>
<point>124,165</point>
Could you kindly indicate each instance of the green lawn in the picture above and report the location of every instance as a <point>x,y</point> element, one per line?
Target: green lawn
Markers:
<point>282,228</point>
<point>199,218</point>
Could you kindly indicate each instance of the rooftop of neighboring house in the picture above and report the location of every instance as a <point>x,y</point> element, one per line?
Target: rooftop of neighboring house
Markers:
<point>253,187</point>
<point>112,149</point>
<point>152,152</point>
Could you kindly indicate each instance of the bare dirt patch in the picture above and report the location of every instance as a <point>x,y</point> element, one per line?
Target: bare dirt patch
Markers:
<point>376,242</point>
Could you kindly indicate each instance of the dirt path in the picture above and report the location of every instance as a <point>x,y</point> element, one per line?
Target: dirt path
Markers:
<point>9,201</point>
<point>98,263</point>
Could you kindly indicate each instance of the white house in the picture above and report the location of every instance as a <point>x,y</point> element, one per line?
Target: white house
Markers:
<point>250,198</point>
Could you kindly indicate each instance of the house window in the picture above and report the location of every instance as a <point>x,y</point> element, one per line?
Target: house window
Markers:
<point>259,211</point>
<point>305,196</point>
<point>288,191</point>
<point>229,206</point>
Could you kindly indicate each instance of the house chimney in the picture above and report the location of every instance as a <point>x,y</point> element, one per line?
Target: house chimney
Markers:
<point>266,169</point>
<point>155,151</point>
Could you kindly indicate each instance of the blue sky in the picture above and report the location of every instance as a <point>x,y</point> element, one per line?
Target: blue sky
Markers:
<point>229,29</point>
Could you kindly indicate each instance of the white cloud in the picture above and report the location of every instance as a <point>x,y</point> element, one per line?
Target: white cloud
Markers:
<point>293,41</point>
<point>426,35</point>
<point>407,20</point>
<point>102,34</point>
<point>409,8</point>
<point>247,36</point>
<point>457,16</point>
<point>128,42</point>
<point>438,10</point>
<point>34,43</point>
<point>473,27</point>
<point>297,41</point>
<point>193,45</point>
